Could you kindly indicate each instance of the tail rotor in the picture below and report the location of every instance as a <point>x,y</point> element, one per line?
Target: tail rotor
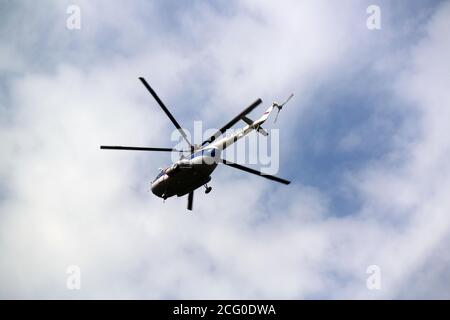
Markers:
<point>280,106</point>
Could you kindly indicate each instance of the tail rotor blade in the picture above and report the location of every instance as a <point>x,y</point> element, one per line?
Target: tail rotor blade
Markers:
<point>276,117</point>
<point>287,100</point>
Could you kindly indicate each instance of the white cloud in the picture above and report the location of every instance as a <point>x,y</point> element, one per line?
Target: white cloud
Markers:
<point>69,203</point>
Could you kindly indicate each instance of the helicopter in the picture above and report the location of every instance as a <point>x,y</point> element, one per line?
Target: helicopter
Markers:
<point>194,170</point>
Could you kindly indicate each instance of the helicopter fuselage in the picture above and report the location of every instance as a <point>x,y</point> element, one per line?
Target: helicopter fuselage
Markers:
<point>193,171</point>
<point>190,173</point>
<point>186,175</point>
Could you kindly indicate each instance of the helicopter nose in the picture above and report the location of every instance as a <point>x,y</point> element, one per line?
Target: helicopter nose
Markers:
<point>157,189</point>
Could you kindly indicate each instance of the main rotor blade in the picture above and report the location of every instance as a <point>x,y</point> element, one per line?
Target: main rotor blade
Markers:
<point>190,200</point>
<point>140,148</point>
<point>167,112</point>
<point>233,121</point>
<point>267,176</point>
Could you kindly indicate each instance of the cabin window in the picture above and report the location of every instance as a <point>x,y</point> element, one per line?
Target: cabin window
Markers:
<point>194,155</point>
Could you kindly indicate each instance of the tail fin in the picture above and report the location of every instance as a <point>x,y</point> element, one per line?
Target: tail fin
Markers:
<point>266,114</point>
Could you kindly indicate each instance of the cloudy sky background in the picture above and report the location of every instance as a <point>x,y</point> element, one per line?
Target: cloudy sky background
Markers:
<point>365,142</point>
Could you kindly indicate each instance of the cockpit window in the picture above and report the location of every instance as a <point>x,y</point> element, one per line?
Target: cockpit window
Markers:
<point>160,174</point>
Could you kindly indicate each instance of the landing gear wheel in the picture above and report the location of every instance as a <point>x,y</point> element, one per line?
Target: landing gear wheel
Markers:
<point>208,189</point>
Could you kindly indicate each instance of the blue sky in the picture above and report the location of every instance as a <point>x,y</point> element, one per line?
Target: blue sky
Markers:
<point>364,142</point>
